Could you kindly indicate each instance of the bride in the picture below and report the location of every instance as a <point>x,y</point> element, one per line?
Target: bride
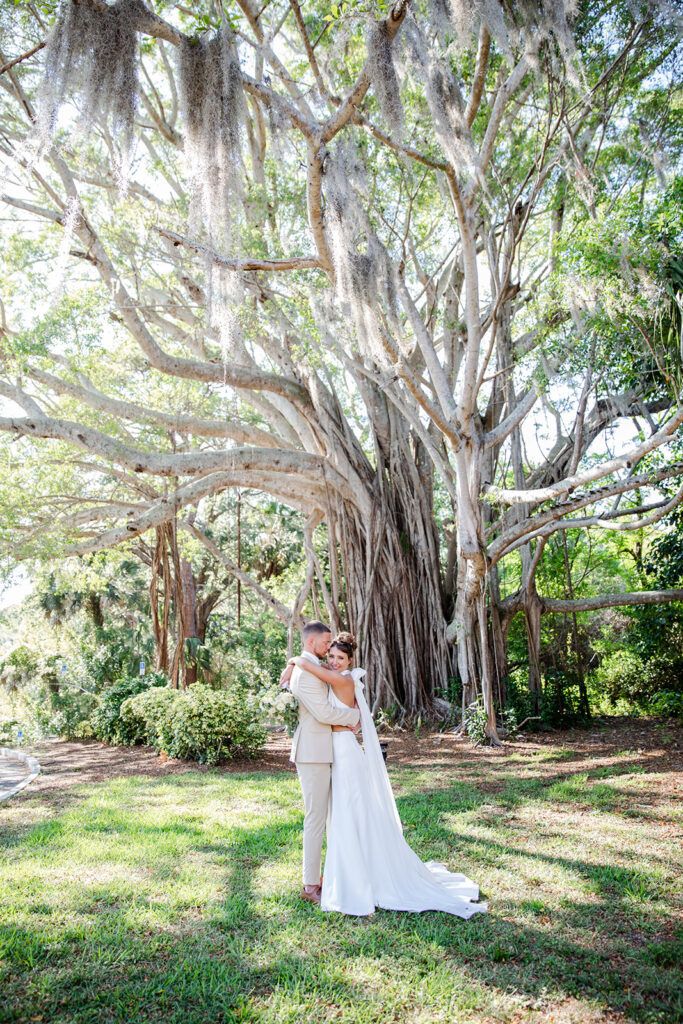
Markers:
<point>369,864</point>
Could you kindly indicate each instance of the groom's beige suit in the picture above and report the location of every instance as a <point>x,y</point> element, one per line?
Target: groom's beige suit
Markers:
<point>312,755</point>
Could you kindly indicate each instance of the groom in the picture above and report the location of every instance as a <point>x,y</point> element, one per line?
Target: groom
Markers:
<point>312,750</point>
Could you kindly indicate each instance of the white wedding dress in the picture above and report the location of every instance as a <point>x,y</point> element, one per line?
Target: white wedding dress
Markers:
<point>368,863</point>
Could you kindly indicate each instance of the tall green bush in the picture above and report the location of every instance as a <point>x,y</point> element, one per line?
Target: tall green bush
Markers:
<point>207,725</point>
<point>146,716</point>
<point>200,723</point>
<point>106,719</point>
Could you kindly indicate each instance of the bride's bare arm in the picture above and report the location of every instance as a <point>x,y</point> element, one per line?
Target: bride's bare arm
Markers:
<point>341,684</point>
<point>286,674</point>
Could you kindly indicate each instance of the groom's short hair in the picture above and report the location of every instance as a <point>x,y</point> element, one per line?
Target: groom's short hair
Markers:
<point>314,629</point>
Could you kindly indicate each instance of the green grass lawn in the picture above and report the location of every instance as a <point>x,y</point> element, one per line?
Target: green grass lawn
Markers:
<point>176,899</point>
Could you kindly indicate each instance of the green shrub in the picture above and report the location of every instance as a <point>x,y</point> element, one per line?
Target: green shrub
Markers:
<point>207,725</point>
<point>199,723</point>
<point>8,732</point>
<point>64,713</point>
<point>510,720</point>
<point>147,716</point>
<point>641,682</point>
<point>106,719</point>
<point>560,705</point>
<point>83,730</point>
<point>668,703</point>
<point>20,666</point>
<point>475,722</point>
<point>557,706</point>
<point>52,710</point>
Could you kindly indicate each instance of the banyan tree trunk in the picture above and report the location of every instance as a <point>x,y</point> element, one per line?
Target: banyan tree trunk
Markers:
<point>394,607</point>
<point>498,634</point>
<point>188,617</point>
<point>160,571</point>
<point>470,629</point>
<point>392,576</point>
<point>476,648</point>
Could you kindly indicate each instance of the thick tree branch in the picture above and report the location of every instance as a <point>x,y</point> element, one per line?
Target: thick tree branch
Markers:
<point>147,22</point>
<point>483,49</point>
<point>234,263</point>
<point>505,91</point>
<point>189,494</point>
<point>558,517</point>
<point>190,463</point>
<point>589,604</point>
<point>596,472</point>
<point>179,422</point>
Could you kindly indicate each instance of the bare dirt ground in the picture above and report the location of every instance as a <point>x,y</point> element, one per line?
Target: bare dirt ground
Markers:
<point>653,746</point>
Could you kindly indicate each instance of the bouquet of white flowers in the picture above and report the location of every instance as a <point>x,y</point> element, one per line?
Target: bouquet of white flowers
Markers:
<point>280,707</point>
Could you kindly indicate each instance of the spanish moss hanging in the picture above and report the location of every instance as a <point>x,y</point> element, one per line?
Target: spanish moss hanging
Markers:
<point>213,111</point>
<point>384,77</point>
<point>364,273</point>
<point>91,60</point>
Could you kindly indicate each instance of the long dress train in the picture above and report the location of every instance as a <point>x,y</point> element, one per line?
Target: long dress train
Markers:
<point>368,863</point>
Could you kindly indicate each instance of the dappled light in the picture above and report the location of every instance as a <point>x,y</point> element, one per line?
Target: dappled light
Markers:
<point>176,897</point>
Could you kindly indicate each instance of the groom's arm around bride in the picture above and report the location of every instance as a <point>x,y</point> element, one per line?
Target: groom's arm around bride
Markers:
<point>312,740</point>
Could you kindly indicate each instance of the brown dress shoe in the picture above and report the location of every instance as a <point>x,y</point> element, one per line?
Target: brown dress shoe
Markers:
<point>311,895</point>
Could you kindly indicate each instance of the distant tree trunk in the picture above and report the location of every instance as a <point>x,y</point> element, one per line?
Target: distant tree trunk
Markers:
<point>187,598</point>
<point>533,611</point>
<point>94,606</point>
<point>160,571</point>
<point>583,692</point>
<point>470,626</point>
<point>498,635</point>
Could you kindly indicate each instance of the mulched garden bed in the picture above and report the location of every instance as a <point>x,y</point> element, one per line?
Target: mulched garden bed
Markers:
<point>652,745</point>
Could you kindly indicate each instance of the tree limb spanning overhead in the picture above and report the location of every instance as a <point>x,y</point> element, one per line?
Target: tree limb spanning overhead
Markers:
<point>589,604</point>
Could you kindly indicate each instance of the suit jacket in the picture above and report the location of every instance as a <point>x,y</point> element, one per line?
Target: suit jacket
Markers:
<point>312,741</point>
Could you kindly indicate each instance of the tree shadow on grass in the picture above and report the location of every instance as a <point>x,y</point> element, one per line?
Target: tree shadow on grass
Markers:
<point>582,787</point>
<point>105,966</point>
<point>254,954</point>
<point>627,948</point>
<point>500,777</point>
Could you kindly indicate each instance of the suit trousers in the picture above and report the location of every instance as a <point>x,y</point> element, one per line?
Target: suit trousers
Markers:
<point>315,780</point>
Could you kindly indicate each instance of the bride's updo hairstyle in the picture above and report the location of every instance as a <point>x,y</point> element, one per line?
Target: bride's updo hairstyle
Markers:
<point>346,643</point>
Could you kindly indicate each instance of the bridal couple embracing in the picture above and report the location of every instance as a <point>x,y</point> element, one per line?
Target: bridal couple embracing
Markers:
<point>346,787</point>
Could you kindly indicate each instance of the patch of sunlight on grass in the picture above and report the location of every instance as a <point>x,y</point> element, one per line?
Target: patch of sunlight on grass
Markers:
<point>561,754</point>
<point>579,788</point>
<point>622,771</point>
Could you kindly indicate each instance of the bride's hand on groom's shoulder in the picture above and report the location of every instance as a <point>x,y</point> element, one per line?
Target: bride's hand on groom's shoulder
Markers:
<point>285,676</point>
